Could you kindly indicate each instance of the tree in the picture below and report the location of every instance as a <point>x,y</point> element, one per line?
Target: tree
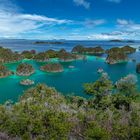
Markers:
<point>127,85</point>
<point>101,89</point>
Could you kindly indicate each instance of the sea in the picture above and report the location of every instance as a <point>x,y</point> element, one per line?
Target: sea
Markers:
<point>71,81</point>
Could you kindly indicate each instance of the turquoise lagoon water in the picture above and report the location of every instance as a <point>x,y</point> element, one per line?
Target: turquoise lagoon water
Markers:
<point>71,80</point>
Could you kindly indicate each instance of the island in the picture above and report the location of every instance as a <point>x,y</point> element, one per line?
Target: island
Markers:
<point>91,50</point>
<point>121,40</point>
<point>48,42</point>
<point>65,56</point>
<point>4,72</point>
<point>27,82</point>
<point>127,49</point>
<point>25,69</point>
<point>41,57</point>
<point>52,67</point>
<point>7,56</point>
<point>52,53</point>
<point>116,40</point>
<point>116,55</point>
<point>28,54</point>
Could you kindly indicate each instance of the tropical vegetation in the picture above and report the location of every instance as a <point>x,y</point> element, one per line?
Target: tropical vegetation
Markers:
<point>42,113</point>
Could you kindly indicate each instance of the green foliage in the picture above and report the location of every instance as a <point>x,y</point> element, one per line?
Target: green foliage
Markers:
<point>127,85</point>
<point>28,54</point>
<point>99,88</point>
<point>41,57</point>
<point>91,50</point>
<point>44,114</point>
<point>52,54</point>
<point>96,132</point>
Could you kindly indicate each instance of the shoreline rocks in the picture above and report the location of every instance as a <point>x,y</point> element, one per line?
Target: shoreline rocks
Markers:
<point>27,82</point>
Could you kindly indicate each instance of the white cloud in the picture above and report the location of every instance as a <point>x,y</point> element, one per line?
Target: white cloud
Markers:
<point>14,23</point>
<point>40,18</point>
<point>115,1</point>
<point>104,37</point>
<point>128,25</point>
<point>84,3</point>
<point>93,23</point>
<point>124,22</point>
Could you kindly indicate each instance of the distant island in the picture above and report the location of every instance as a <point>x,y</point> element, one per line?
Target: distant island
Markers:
<point>119,40</point>
<point>48,42</point>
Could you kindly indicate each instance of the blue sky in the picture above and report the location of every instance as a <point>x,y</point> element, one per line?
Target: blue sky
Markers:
<point>70,19</point>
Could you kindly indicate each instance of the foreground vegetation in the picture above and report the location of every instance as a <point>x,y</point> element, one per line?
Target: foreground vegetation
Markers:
<point>112,113</point>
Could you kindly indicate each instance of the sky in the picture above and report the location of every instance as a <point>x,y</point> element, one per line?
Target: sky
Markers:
<point>70,19</point>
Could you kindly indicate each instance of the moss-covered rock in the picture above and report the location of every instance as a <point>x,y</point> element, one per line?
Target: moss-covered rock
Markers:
<point>52,67</point>
<point>25,69</point>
